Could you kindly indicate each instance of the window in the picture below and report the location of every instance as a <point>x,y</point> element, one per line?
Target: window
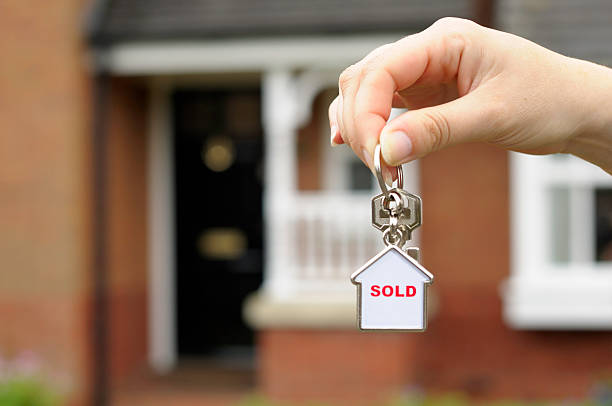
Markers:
<point>603,224</point>
<point>561,271</point>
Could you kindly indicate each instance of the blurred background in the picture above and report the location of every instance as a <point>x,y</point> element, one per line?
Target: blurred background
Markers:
<point>176,230</point>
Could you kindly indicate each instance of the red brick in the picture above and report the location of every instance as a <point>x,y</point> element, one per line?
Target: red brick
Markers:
<point>45,187</point>
<point>343,366</point>
<point>127,230</point>
<point>55,329</point>
<point>465,244</point>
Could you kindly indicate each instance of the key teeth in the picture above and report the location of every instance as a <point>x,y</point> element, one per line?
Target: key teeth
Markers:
<point>410,212</point>
<point>415,253</point>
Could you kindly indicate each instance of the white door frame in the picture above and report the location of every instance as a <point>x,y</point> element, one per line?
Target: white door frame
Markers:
<point>161,239</point>
<point>274,58</point>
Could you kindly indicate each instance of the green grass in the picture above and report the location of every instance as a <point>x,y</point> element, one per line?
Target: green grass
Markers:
<point>445,400</point>
<point>26,391</point>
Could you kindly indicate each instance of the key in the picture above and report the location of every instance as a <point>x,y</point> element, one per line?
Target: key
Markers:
<point>414,252</point>
<point>409,210</point>
<point>392,286</point>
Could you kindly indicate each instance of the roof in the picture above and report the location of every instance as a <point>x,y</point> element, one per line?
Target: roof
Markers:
<point>393,249</point>
<point>580,29</point>
<point>146,20</point>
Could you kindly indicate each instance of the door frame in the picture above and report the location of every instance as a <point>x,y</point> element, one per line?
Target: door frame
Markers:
<point>163,353</point>
<point>169,64</point>
<point>161,255</point>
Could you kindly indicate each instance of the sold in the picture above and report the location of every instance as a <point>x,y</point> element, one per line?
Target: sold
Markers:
<point>388,291</point>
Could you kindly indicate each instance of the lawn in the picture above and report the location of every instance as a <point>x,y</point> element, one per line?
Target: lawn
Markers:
<point>446,400</point>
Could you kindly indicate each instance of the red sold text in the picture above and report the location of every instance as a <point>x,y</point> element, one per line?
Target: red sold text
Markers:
<point>396,291</point>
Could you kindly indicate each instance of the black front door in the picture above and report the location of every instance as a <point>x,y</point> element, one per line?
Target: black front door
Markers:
<point>218,170</point>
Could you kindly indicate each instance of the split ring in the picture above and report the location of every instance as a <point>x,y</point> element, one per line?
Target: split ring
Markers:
<point>395,237</point>
<point>399,183</point>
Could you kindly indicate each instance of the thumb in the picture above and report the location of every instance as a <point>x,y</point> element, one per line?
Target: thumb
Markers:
<point>416,133</point>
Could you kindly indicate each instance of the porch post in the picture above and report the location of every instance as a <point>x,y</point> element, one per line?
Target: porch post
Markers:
<point>278,116</point>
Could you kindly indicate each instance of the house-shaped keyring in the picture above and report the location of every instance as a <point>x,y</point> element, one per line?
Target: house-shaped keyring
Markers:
<point>392,292</point>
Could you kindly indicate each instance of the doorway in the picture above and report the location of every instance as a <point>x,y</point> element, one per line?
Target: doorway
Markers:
<point>218,155</point>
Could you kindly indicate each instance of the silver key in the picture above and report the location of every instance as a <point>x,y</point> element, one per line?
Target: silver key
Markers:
<point>414,252</point>
<point>407,205</point>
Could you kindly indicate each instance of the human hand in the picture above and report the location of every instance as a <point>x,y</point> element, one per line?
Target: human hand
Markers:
<point>463,83</point>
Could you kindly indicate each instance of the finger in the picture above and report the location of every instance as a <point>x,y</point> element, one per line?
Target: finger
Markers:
<point>345,116</point>
<point>389,173</point>
<point>416,133</point>
<point>431,57</point>
<point>335,135</point>
<point>336,138</point>
<point>349,83</point>
<point>420,96</point>
<point>374,99</point>
<point>339,119</point>
<point>398,101</point>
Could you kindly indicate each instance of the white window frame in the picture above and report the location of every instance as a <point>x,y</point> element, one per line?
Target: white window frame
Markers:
<point>540,293</point>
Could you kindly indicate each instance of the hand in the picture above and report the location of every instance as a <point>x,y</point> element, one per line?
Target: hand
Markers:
<point>463,83</point>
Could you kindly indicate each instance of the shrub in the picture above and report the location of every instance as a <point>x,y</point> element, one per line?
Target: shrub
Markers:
<point>21,383</point>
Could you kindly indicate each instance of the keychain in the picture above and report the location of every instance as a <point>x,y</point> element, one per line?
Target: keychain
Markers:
<point>392,286</point>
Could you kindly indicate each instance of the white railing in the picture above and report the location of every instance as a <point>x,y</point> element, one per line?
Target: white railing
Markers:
<point>330,236</point>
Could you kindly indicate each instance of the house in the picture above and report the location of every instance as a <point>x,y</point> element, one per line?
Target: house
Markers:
<point>169,203</point>
<point>392,292</point>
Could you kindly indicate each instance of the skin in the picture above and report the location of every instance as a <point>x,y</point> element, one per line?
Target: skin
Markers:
<point>466,83</point>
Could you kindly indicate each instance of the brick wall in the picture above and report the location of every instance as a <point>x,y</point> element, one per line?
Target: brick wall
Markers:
<point>127,228</point>
<point>466,244</point>
<point>343,367</point>
<point>45,206</point>
<point>45,188</point>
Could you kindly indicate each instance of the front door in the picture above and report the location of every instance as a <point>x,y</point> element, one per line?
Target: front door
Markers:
<point>218,173</point>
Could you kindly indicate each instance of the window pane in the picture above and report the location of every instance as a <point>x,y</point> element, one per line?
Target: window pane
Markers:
<point>603,224</point>
<point>560,224</point>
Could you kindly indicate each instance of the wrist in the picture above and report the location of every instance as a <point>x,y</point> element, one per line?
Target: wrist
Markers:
<point>592,139</point>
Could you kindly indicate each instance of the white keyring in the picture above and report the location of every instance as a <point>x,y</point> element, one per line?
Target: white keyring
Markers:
<point>399,183</point>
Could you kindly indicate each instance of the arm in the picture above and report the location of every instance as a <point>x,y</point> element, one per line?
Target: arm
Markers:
<point>465,83</point>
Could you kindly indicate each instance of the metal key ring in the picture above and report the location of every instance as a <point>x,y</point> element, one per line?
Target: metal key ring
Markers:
<point>381,181</point>
<point>395,237</point>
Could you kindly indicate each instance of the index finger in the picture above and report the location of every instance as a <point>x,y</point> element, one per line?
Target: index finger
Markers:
<point>432,55</point>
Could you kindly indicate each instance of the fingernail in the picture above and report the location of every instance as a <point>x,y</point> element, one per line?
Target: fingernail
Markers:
<point>367,157</point>
<point>387,176</point>
<point>334,132</point>
<point>338,139</point>
<point>396,147</point>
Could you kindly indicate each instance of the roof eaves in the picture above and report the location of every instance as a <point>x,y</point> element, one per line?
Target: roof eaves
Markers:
<point>99,36</point>
<point>95,18</point>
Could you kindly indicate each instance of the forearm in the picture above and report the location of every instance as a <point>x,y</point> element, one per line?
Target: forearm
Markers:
<point>593,139</point>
